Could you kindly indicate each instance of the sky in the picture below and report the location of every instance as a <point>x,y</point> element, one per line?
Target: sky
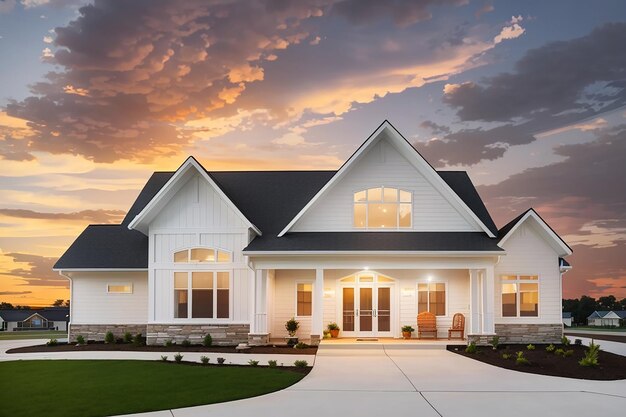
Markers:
<point>528,97</point>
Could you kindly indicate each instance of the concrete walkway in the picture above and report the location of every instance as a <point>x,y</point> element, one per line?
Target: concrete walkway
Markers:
<point>381,380</point>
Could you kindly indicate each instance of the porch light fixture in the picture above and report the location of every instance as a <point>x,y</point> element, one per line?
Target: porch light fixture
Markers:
<point>430,278</point>
<point>367,268</point>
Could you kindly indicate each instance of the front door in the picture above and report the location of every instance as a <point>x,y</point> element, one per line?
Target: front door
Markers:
<point>366,306</point>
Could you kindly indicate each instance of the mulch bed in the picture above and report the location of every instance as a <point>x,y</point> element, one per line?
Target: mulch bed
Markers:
<point>611,367</point>
<point>105,347</point>
<point>595,336</point>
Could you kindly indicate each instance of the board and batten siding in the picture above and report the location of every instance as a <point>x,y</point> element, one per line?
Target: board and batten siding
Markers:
<point>197,216</point>
<point>92,304</point>
<point>384,165</point>
<point>527,253</point>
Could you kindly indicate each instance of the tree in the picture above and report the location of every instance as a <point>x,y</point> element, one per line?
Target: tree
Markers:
<point>67,303</point>
<point>5,306</point>
<point>58,303</point>
<point>623,304</point>
<point>608,303</point>
<point>586,306</point>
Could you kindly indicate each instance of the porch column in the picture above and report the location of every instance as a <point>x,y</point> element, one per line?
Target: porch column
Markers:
<point>488,301</point>
<point>259,334</point>
<point>475,325</point>
<point>317,319</point>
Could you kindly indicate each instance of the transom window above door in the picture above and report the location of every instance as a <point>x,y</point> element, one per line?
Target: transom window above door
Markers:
<point>202,255</point>
<point>382,208</point>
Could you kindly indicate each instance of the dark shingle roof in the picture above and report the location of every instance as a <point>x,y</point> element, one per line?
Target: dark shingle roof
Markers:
<point>50,313</point>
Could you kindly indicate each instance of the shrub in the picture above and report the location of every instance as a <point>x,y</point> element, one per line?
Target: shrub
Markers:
<point>408,329</point>
<point>591,356</point>
<point>164,358</point>
<point>272,364</point>
<point>332,326</point>
<point>109,338</point>
<point>301,345</point>
<point>578,342</point>
<point>80,339</point>
<point>495,342</point>
<point>185,343</point>
<point>128,337</point>
<point>550,348</point>
<point>471,348</point>
<point>559,352</point>
<point>301,364</point>
<point>169,342</point>
<point>178,358</point>
<point>139,340</point>
<point>530,347</point>
<point>292,326</point>
<point>207,341</point>
<point>506,356</point>
<point>119,340</point>
<point>221,361</point>
<point>326,334</point>
<point>205,360</point>
<point>565,341</point>
<point>52,342</point>
<point>521,360</point>
<point>568,353</point>
<point>253,363</point>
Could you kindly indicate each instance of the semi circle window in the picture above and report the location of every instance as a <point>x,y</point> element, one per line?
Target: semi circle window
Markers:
<point>382,208</point>
<point>202,255</point>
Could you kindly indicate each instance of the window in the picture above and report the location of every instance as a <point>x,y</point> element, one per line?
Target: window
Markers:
<point>202,255</point>
<point>119,288</point>
<point>432,297</point>
<point>382,208</point>
<point>210,295</point>
<point>520,296</point>
<point>304,299</point>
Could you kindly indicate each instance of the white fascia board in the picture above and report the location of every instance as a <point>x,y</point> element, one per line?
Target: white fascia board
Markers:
<point>100,269</point>
<point>174,182</point>
<point>414,157</point>
<point>545,228</point>
<point>387,253</point>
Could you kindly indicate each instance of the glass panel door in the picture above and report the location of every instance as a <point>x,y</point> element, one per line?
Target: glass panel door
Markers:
<point>384,309</point>
<point>365,309</point>
<point>348,309</point>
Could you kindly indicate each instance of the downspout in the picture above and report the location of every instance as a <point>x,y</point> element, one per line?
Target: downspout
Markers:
<point>69,323</point>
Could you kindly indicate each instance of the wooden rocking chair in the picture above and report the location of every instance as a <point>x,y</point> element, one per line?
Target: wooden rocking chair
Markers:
<point>426,323</point>
<point>458,326</point>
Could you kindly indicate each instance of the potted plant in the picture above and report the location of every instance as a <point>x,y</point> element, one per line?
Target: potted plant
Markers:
<point>333,329</point>
<point>292,326</point>
<point>406,331</point>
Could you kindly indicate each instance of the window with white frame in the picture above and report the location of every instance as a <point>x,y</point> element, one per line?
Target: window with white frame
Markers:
<point>304,299</point>
<point>382,208</point>
<point>520,295</point>
<point>202,294</point>
<point>431,297</point>
<point>118,288</point>
<point>202,255</point>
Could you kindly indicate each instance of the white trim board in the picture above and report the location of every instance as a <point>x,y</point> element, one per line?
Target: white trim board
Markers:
<point>556,240</point>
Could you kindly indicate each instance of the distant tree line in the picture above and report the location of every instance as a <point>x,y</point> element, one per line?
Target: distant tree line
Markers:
<point>582,307</point>
<point>8,306</point>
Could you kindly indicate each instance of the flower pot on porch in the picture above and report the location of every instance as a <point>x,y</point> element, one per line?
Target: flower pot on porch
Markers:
<point>406,335</point>
<point>334,333</point>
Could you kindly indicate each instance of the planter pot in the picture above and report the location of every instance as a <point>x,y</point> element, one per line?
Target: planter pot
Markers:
<point>334,333</point>
<point>406,335</point>
<point>292,340</point>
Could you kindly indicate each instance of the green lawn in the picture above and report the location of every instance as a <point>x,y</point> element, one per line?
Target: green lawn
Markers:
<point>84,388</point>
<point>37,334</point>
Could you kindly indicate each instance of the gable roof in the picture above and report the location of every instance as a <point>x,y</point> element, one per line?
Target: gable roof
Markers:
<point>49,313</point>
<point>167,191</point>
<point>509,229</point>
<point>566,315</point>
<point>599,314</point>
<point>386,129</point>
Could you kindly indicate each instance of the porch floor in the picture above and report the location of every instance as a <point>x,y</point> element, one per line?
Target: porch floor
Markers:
<point>386,343</point>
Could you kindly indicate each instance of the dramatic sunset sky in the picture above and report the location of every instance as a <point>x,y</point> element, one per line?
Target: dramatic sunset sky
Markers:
<point>528,96</point>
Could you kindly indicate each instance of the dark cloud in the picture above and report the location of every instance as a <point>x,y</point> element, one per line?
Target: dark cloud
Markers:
<point>550,79</point>
<point>15,292</point>
<point>39,273</point>
<point>437,129</point>
<point>92,216</point>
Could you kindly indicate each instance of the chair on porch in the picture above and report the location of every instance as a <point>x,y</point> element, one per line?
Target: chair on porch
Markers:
<point>458,326</point>
<point>426,323</point>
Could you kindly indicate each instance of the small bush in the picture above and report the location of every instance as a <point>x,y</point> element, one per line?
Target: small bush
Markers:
<point>178,358</point>
<point>119,340</point>
<point>205,360</point>
<point>272,364</point>
<point>591,356</point>
<point>578,342</point>
<point>128,337</point>
<point>301,364</point>
<point>332,326</point>
<point>185,343</point>
<point>301,345</point>
<point>568,353</point>
<point>52,342</point>
<point>565,341</point>
<point>221,361</point>
<point>530,347</point>
<point>109,338</point>
<point>169,343</point>
<point>550,348</point>
<point>253,363</point>
<point>208,340</point>
<point>506,356</point>
<point>326,334</point>
<point>139,340</point>
<point>559,352</point>
<point>80,339</point>
<point>164,358</point>
<point>408,329</point>
<point>471,348</point>
<point>495,342</point>
<point>521,360</point>
<point>292,326</point>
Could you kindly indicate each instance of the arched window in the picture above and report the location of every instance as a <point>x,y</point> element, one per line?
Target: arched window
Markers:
<point>202,255</point>
<point>382,208</point>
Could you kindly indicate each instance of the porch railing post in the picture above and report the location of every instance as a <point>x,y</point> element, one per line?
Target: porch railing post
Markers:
<point>489,300</point>
<point>317,319</point>
<point>475,324</point>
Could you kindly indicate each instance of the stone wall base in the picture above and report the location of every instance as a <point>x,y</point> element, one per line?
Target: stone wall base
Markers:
<point>258,339</point>
<point>530,333</point>
<point>315,339</point>
<point>222,334</point>
<point>480,339</point>
<point>98,331</point>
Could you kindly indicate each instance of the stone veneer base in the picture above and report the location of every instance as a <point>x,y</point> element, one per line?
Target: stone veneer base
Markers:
<point>222,334</point>
<point>98,331</point>
<point>521,333</point>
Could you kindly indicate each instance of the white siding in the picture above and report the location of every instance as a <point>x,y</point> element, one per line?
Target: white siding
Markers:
<point>91,304</point>
<point>529,254</point>
<point>285,281</point>
<point>383,165</point>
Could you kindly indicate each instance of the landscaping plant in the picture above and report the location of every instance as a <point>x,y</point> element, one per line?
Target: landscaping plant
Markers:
<point>253,363</point>
<point>205,360</point>
<point>169,342</point>
<point>559,352</point>
<point>208,340</point>
<point>221,361</point>
<point>568,353</point>
<point>272,363</point>
<point>495,342</point>
<point>128,337</point>
<point>178,358</point>
<point>333,328</point>
<point>164,358</point>
<point>565,341</point>
<point>52,342</point>
<point>292,326</point>
<point>407,331</point>
<point>506,356</point>
<point>185,343</point>
<point>139,340</point>
<point>530,347</point>
<point>109,338</point>
<point>591,356</point>
<point>301,345</point>
<point>301,364</point>
<point>471,348</point>
<point>550,348</point>
<point>80,340</point>
<point>521,360</point>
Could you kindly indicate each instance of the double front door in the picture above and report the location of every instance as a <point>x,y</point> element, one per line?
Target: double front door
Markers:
<point>366,307</point>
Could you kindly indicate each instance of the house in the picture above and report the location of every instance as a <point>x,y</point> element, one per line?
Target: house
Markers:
<point>567,319</point>
<point>607,318</point>
<point>369,246</point>
<point>52,318</point>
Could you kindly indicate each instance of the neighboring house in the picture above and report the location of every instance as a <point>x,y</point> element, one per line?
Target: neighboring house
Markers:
<point>369,246</point>
<point>607,318</point>
<point>567,319</point>
<point>52,318</point>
